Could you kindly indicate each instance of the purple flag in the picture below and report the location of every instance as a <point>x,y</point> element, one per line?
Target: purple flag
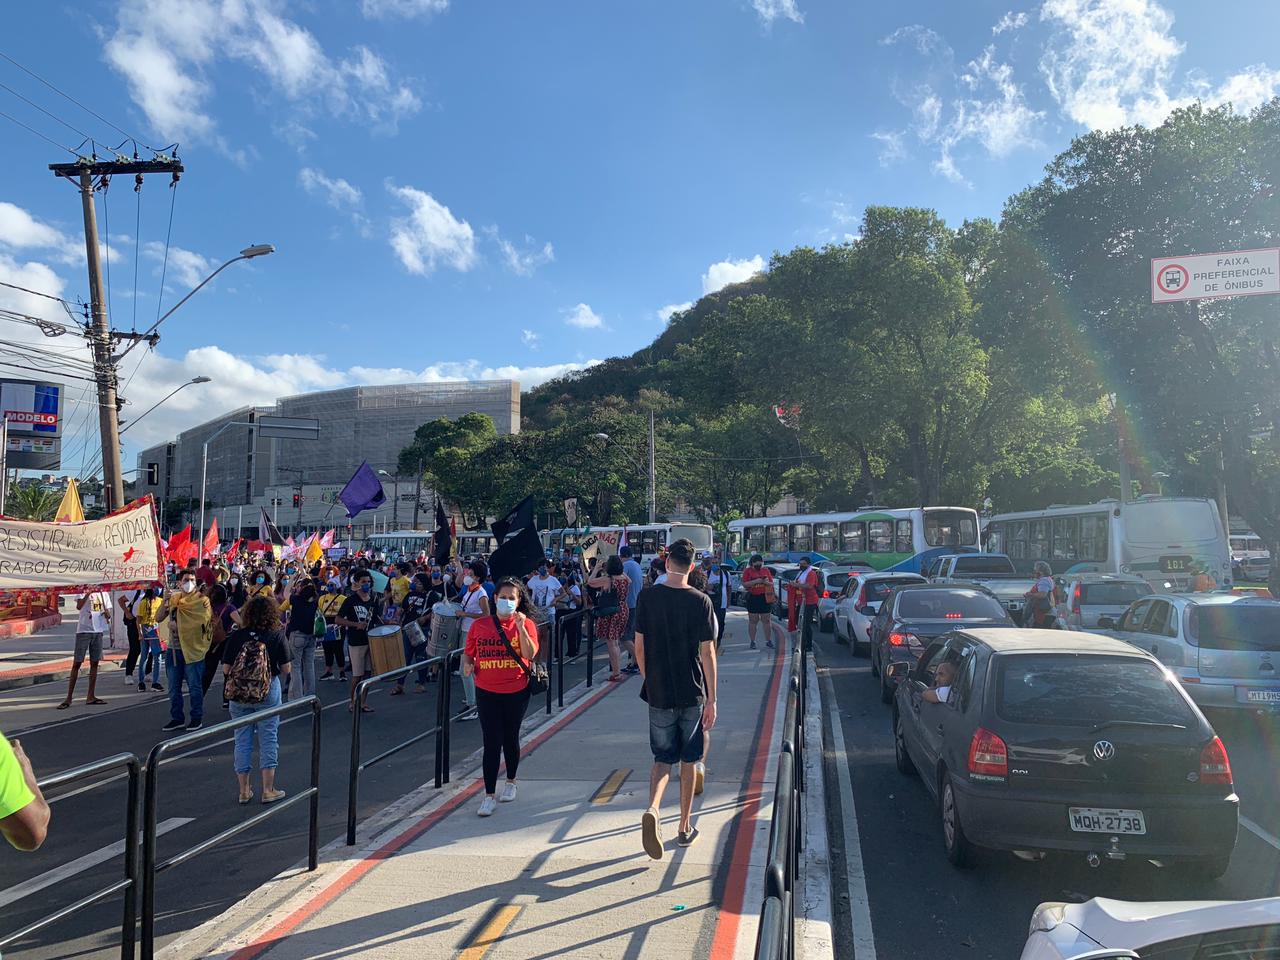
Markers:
<point>363,491</point>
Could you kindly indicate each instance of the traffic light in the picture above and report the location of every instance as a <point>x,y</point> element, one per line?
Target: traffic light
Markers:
<point>153,474</point>
<point>297,499</point>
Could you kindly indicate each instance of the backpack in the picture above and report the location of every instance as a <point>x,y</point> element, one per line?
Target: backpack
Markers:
<point>218,632</point>
<point>249,678</point>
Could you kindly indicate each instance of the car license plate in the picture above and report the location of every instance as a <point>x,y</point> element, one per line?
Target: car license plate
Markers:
<point>1262,696</point>
<point>1106,820</point>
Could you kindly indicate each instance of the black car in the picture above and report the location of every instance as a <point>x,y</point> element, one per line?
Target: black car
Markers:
<point>914,614</point>
<point>1053,740</point>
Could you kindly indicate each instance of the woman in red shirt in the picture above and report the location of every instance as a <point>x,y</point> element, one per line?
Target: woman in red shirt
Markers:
<point>502,683</point>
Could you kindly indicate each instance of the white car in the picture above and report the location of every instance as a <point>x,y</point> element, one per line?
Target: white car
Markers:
<point>859,601</point>
<point>1102,928</point>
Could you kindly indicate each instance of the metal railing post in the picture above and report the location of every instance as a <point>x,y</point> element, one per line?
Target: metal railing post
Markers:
<point>353,785</point>
<point>547,656</point>
<point>149,788</point>
<point>591,645</point>
<point>443,680</point>
<point>130,923</point>
<point>313,826</point>
<point>560,634</point>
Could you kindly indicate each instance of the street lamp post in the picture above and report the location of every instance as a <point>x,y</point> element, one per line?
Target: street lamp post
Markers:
<point>652,471</point>
<point>171,393</point>
<point>204,468</point>
<point>395,503</point>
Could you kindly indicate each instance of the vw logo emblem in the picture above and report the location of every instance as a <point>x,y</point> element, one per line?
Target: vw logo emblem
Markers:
<point>1104,749</point>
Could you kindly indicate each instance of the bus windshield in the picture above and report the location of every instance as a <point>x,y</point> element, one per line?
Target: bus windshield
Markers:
<point>950,528</point>
<point>1166,522</point>
<point>697,533</point>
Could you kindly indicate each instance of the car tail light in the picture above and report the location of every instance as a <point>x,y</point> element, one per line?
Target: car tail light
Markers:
<point>988,755</point>
<point>826,594</point>
<point>900,639</point>
<point>955,616</point>
<point>1075,598</point>
<point>1215,767</point>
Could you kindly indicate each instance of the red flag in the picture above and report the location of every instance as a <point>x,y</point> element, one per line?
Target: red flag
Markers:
<point>178,543</point>
<point>231,551</point>
<point>211,538</point>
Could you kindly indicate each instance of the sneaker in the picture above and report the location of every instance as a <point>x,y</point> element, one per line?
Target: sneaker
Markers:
<point>651,834</point>
<point>487,806</point>
<point>327,675</point>
<point>157,688</point>
<point>142,687</point>
<point>753,645</point>
<point>419,688</point>
<point>173,725</point>
<point>128,680</point>
<point>699,778</point>
<point>343,678</point>
<point>686,839</point>
<point>769,644</point>
<point>508,793</point>
<point>631,668</point>
<point>471,714</point>
<point>195,724</point>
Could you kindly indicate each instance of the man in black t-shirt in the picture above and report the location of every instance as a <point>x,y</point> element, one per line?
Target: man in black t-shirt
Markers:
<point>415,624</point>
<point>358,613</point>
<point>675,648</point>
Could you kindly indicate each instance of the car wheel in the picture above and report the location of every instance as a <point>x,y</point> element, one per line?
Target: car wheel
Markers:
<point>959,850</point>
<point>886,690</point>
<point>1205,868</point>
<point>900,755</point>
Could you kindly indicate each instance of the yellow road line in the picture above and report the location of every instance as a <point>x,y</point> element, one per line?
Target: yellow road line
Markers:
<point>609,789</point>
<point>491,932</point>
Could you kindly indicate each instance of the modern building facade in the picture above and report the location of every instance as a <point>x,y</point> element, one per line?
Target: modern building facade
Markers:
<point>365,423</point>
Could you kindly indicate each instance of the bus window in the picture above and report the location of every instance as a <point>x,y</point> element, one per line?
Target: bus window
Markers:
<point>570,541</point>
<point>662,538</point>
<point>649,542</point>
<point>1093,537</point>
<point>1018,541</point>
<point>950,528</point>
<point>880,533</point>
<point>1066,538</point>
<point>853,534</point>
<point>1038,543</point>
<point>755,539</point>
<point>735,542</point>
<point>801,537</point>
<point>555,543</point>
<point>776,538</point>
<point>902,538</point>
<point>995,538</point>
<point>826,537</point>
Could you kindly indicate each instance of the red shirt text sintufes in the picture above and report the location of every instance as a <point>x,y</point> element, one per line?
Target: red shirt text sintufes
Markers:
<point>496,671</point>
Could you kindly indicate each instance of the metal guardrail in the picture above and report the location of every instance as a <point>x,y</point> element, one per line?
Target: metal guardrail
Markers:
<point>129,884</point>
<point>150,807</point>
<point>564,622</point>
<point>440,731</point>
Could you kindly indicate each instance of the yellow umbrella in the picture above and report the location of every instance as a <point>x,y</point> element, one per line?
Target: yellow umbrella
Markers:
<point>70,511</point>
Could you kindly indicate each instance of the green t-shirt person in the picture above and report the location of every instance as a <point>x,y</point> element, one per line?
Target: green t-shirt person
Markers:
<point>24,815</point>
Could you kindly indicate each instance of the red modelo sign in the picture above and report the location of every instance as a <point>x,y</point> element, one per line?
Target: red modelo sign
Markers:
<point>26,416</point>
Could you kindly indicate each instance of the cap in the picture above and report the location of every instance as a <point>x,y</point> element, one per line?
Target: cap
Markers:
<point>706,554</point>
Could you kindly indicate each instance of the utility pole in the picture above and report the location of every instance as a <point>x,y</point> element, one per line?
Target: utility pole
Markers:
<point>100,335</point>
<point>653,476</point>
<point>417,496</point>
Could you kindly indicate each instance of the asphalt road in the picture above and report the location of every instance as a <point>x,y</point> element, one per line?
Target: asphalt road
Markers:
<point>921,906</point>
<point>197,800</point>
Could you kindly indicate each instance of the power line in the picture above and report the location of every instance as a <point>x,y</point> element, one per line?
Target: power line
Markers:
<point>51,116</point>
<point>37,293</point>
<point>67,96</point>
<point>60,146</point>
<point>164,265</point>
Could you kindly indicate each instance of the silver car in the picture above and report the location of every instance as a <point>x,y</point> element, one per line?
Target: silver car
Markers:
<point>1223,647</point>
<point>859,601</point>
<point>1091,596</point>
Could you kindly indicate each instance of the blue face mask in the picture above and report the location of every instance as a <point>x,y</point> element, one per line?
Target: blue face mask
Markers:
<point>542,571</point>
<point>506,607</point>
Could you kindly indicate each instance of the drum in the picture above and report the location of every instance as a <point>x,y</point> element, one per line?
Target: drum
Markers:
<point>413,633</point>
<point>386,648</point>
<point>446,629</point>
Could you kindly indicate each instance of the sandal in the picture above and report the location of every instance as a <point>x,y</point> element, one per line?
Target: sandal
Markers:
<point>96,702</point>
<point>366,709</point>
<point>615,678</point>
<point>64,705</point>
<point>397,692</point>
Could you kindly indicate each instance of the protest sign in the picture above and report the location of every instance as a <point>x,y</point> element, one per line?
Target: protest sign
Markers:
<point>603,544</point>
<point>119,551</point>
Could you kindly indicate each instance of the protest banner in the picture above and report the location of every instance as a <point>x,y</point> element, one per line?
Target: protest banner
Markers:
<point>119,551</point>
<point>603,544</point>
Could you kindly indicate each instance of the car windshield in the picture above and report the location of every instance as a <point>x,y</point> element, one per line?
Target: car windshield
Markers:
<point>948,605</point>
<point>1085,690</point>
<point>1236,626</point>
<point>1113,594</point>
<point>967,565</point>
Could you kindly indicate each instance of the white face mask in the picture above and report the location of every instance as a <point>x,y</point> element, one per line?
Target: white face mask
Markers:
<point>468,581</point>
<point>506,607</point>
<point>187,586</point>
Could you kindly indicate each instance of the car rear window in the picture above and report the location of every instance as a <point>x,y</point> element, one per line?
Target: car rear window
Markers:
<point>1085,689</point>
<point>1113,594</point>
<point>948,605</point>
<point>877,591</point>
<point>836,580</point>
<point>1236,626</point>
<point>965,565</point>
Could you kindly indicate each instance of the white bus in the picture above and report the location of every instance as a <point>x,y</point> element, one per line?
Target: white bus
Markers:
<point>886,539</point>
<point>645,539</point>
<point>400,543</point>
<point>1164,540</point>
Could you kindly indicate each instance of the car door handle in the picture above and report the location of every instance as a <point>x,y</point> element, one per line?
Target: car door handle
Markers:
<point>939,728</point>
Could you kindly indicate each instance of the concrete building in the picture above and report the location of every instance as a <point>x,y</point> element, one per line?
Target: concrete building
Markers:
<point>367,423</point>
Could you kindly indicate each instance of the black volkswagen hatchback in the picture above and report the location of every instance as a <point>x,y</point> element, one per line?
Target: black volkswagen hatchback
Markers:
<point>1051,740</point>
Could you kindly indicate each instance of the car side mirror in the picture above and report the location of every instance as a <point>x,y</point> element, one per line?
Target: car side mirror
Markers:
<point>1106,623</point>
<point>867,611</point>
<point>898,672</point>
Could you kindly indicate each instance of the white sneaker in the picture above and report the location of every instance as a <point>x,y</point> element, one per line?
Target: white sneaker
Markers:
<point>487,806</point>
<point>508,793</point>
<point>128,680</point>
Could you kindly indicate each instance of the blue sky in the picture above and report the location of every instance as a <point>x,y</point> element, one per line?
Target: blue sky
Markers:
<point>459,189</point>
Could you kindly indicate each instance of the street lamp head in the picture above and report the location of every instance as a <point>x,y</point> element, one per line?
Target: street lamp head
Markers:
<point>257,250</point>
<point>201,379</point>
<point>602,436</point>
<point>384,473</point>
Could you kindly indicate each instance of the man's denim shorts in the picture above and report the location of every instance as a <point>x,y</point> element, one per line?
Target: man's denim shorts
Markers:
<point>675,735</point>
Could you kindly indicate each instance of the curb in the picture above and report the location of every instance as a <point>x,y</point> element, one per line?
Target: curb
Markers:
<point>815,938</point>
<point>24,628</point>
<point>49,672</point>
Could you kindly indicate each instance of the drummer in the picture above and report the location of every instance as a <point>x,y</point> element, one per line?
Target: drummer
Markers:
<point>415,623</point>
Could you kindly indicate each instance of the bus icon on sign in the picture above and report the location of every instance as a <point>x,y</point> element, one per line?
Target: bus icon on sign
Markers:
<point>1173,278</point>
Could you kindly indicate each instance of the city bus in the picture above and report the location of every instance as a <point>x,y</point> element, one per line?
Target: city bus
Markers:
<point>885,539</point>
<point>645,539</point>
<point>1164,540</point>
<point>410,543</point>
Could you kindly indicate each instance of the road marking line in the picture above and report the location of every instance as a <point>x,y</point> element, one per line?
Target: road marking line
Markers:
<point>609,789</point>
<point>491,932</point>
<point>1258,832</point>
<point>79,865</point>
<point>864,942</point>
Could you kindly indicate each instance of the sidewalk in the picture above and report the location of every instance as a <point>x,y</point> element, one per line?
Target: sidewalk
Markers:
<point>559,873</point>
<point>47,655</point>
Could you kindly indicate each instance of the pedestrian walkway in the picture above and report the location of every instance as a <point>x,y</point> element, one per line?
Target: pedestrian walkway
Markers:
<point>560,872</point>
<point>47,655</point>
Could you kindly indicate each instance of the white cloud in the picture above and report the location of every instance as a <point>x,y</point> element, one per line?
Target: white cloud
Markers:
<point>771,10</point>
<point>1010,21</point>
<point>337,192</point>
<point>19,230</point>
<point>167,49</point>
<point>1109,63</point>
<point>892,148</point>
<point>529,339</point>
<point>671,309</point>
<point>583,317</point>
<point>186,266</point>
<point>430,235</point>
<point>524,261</point>
<point>402,8</point>
<point>720,275</point>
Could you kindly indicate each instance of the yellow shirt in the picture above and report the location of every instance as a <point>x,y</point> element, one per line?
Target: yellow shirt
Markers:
<point>330,604</point>
<point>146,611</point>
<point>14,792</point>
<point>400,589</point>
<point>193,614</point>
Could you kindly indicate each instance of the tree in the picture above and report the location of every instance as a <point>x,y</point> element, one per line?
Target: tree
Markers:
<point>32,501</point>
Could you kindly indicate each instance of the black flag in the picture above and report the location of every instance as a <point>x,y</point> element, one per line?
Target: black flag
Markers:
<point>444,540</point>
<point>519,556</point>
<point>518,518</point>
